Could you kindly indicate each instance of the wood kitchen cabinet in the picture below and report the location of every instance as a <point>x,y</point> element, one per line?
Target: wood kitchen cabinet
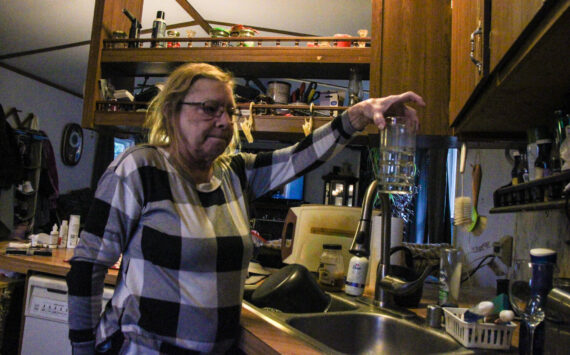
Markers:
<point>403,54</point>
<point>524,77</point>
<point>509,18</point>
<point>469,51</point>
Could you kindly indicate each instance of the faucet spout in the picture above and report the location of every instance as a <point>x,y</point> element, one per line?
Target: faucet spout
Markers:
<point>386,285</point>
<point>381,296</point>
<point>361,241</point>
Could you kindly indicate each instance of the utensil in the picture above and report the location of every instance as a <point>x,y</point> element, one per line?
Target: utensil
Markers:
<point>302,91</point>
<point>295,95</point>
<point>462,203</point>
<point>476,177</point>
<point>311,89</point>
<point>314,95</point>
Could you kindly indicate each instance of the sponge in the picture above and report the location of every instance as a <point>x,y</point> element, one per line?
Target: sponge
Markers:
<point>487,310</point>
<point>479,311</point>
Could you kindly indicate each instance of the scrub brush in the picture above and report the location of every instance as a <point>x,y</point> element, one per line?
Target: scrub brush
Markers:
<point>462,215</point>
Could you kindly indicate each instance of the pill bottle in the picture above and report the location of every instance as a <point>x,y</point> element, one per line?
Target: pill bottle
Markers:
<point>331,268</point>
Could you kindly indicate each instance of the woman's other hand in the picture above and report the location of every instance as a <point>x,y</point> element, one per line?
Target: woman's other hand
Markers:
<point>374,110</point>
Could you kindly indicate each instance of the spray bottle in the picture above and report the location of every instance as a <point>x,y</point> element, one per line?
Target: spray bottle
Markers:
<point>159,30</point>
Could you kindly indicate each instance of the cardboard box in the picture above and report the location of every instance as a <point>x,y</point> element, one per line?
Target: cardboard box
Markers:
<point>329,98</point>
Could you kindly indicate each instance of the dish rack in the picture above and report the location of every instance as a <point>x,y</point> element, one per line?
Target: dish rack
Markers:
<point>477,335</point>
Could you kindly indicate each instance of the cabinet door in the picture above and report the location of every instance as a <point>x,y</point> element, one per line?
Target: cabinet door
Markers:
<point>508,20</point>
<point>469,26</point>
<point>415,56</point>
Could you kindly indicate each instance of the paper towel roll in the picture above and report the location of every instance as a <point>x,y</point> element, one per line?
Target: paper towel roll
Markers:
<point>376,247</point>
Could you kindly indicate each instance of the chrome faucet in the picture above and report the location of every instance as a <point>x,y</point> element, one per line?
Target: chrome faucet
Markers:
<point>386,284</point>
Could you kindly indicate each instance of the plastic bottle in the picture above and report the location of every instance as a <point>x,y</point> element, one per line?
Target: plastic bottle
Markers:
<point>531,152</point>
<point>73,235</point>
<point>524,168</point>
<point>53,237</point>
<point>63,230</point>
<point>158,30</point>
<point>331,267</point>
<point>356,275</point>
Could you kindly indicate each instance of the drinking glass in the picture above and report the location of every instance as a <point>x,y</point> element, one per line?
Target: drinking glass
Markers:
<point>397,169</point>
<point>529,286</point>
<point>519,286</point>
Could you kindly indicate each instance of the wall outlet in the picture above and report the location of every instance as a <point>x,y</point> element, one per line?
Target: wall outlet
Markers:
<point>503,249</point>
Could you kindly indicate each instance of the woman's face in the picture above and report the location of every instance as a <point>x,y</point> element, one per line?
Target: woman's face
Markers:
<point>205,125</point>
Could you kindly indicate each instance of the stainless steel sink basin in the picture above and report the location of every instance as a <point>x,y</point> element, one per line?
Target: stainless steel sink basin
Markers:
<point>373,333</point>
<point>351,327</point>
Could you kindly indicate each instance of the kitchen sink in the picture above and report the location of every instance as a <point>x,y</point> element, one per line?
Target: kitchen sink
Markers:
<point>373,333</point>
<point>352,327</point>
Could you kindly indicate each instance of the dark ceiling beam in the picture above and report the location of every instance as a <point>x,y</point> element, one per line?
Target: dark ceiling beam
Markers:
<point>195,15</point>
<point>44,50</point>
<point>41,80</point>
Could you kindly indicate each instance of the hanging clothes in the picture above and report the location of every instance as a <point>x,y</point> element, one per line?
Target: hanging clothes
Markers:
<point>11,166</point>
<point>48,189</point>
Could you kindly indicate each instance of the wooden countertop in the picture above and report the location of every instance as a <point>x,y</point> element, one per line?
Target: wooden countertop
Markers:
<point>56,264</point>
<point>258,336</point>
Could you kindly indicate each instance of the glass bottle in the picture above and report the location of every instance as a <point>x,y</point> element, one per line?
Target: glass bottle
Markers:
<point>542,166</point>
<point>524,167</point>
<point>331,267</point>
<point>516,177</point>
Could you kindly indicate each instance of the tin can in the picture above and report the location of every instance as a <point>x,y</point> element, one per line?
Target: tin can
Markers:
<point>119,35</point>
<point>219,33</point>
<point>243,31</point>
<point>172,34</point>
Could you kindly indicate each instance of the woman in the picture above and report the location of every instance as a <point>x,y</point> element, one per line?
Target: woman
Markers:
<point>176,209</point>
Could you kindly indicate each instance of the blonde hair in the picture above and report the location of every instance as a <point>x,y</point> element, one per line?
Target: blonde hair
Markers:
<point>161,118</point>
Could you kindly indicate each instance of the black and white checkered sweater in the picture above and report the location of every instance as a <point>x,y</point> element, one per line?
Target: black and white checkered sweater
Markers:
<point>185,248</point>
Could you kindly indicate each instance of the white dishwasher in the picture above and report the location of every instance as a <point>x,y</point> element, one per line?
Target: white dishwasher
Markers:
<point>45,326</point>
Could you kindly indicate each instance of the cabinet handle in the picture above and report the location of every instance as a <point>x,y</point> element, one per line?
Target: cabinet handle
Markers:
<point>477,62</point>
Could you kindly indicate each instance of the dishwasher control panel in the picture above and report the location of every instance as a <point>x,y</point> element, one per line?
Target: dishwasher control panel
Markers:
<point>48,308</point>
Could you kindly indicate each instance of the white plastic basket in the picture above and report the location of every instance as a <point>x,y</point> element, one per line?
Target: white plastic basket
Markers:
<point>477,335</point>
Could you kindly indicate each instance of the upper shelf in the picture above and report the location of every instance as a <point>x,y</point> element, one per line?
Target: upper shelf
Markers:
<point>296,61</point>
<point>528,85</point>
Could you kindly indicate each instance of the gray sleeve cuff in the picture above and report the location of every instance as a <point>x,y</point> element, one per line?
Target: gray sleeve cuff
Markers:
<point>346,125</point>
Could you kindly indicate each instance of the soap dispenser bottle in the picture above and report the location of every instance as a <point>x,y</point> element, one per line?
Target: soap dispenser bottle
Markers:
<point>356,275</point>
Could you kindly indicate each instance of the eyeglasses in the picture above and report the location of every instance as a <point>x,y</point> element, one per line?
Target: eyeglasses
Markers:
<point>214,109</point>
